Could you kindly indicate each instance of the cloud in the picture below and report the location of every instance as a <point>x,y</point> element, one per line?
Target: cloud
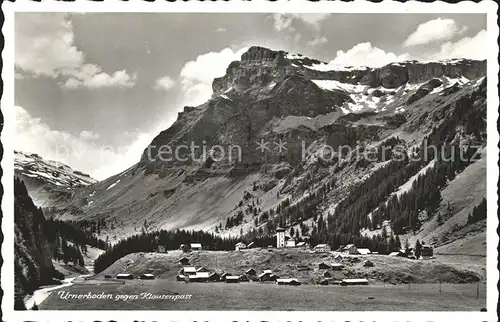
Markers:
<point>118,79</point>
<point>432,31</point>
<point>79,151</point>
<point>164,83</point>
<point>295,39</point>
<point>197,75</point>
<point>468,47</point>
<point>44,43</point>
<point>317,41</point>
<point>45,46</point>
<point>284,21</point>
<point>89,135</point>
<point>220,29</point>
<point>364,54</point>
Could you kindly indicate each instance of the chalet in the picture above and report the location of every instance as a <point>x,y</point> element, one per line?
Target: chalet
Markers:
<point>337,257</point>
<point>323,266</point>
<point>397,254</point>
<point>427,252</point>
<point>354,281</point>
<point>184,261</point>
<point>251,245</point>
<point>147,276</point>
<point>301,245</point>
<point>199,277</point>
<point>202,269</point>
<point>327,274</point>
<point>161,249</point>
<point>223,276</point>
<point>214,277</point>
<point>287,281</point>
<point>268,271</point>
<point>337,266</point>
<point>251,272</point>
<point>181,277</point>
<point>188,270</point>
<point>350,249</point>
<point>195,246</point>
<point>124,276</point>
<point>240,246</point>
<point>364,251</point>
<point>289,241</point>
<point>273,277</point>
<point>322,248</point>
<point>232,279</point>
<point>264,277</point>
<point>243,278</point>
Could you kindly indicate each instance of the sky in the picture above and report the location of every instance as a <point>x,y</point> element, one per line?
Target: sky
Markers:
<point>93,89</point>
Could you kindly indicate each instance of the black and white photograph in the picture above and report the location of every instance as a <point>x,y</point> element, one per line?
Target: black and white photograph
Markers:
<point>234,161</point>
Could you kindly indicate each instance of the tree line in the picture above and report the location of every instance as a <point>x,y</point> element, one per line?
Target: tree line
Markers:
<point>478,213</point>
<point>149,242</point>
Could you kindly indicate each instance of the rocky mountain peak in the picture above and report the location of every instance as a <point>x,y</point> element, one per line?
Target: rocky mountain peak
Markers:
<point>259,67</point>
<point>259,54</point>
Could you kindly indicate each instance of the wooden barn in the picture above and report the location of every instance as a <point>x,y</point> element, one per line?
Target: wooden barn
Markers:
<point>202,269</point>
<point>287,281</point>
<point>188,270</point>
<point>243,278</point>
<point>184,261</point>
<point>232,279</point>
<point>199,277</point>
<point>125,276</point>
<point>324,266</point>
<point>214,277</point>
<point>354,281</point>
<point>223,276</point>
<point>147,276</point>
<point>196,246</point>
<point>251,272</point>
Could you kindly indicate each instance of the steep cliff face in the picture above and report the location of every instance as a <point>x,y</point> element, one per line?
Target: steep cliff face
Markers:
<point>259,66</point>
<point>32,251</point>
<point>267,85</point>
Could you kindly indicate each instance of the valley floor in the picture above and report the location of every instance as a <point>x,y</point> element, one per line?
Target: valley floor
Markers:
<point>396,284</point>
<point>257,296</point>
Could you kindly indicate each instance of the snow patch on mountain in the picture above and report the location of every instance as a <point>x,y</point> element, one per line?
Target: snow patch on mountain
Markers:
<point>54,172</point>
<point>113,184</point>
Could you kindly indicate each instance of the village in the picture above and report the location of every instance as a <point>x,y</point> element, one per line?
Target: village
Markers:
<point>333,262</point>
